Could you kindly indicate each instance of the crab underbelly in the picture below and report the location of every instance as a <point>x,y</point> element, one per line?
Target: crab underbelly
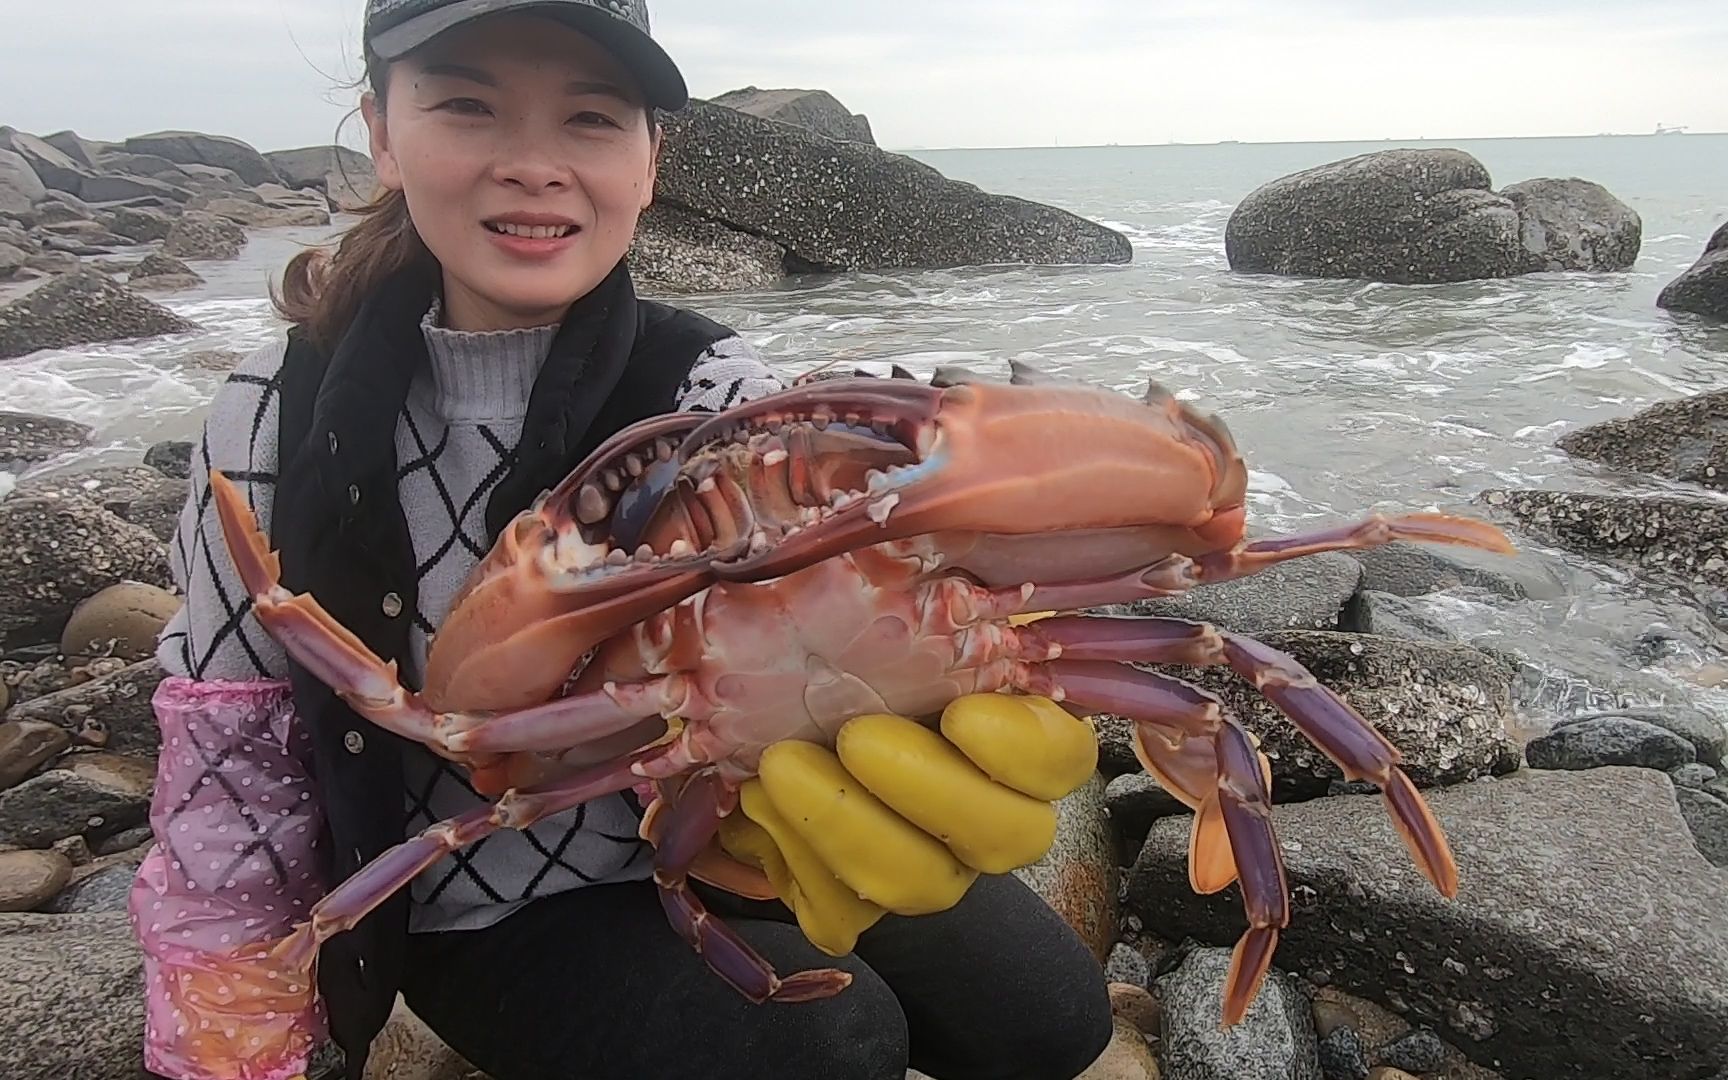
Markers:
<point>797,657</point>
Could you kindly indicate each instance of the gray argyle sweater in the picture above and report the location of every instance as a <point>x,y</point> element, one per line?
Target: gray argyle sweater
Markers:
<point>455,439</point>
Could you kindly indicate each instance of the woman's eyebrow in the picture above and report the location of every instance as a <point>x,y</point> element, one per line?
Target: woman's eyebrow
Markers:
<point>461,71</point>
<point>583,86</point>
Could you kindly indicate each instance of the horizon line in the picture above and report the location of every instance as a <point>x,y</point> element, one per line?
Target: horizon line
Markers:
<point>1303,142</point>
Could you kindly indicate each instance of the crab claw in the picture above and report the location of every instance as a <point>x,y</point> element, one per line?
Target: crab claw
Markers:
<point>979,460</point>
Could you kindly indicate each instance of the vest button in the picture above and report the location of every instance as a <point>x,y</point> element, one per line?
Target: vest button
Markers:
<point>354,494</point>
<point>332,442</point>
<point>354,742</point>
<point>392,605</point>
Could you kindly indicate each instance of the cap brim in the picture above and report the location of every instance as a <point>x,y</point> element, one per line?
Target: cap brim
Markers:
<point>661,80</point>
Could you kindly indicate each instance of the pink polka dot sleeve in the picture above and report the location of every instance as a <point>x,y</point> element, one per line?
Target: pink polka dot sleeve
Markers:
<point>232,871</point>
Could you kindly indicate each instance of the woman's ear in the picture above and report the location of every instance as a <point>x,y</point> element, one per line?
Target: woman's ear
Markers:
<point>655,133</point>
<point>378,136</point>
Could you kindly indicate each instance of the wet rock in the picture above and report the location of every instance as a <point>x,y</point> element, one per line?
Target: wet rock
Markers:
<point>1684,440</point>
<point>846,206</point>
<point>677,252</point>
<point>1306,594</point>
<point>1077,876</point>
<point>1135,800</point>
<point>26,745</point>
<point>157,272</point>
<point>1446,708</point>
<point>1707,820</point>
<point>118,703</point>
<point>1407,569</point>
<point>1127,965</point>
<point>814,110</point>
<point>26,439</point>
<point>29,879</point>
<point>54,552</point>
<point>1708,737</point>
<point>122,620</point>
<point>1408,216</point>
<point>170,458</point>
<point>1679,539</point>
<point>1574,224</point>
<point>61,803</point>
<point>130,492</point>
<point>1694,775</point>
<point>103,891</point>
<point>1420,1051</point>
<point>1342,1055</point>
<point>197,148</point>
<point>1535,967</point>
<point>1608,740</point>
<point>199,235</point>
<point>79,308</point>
<point>72,992</point>
<point>1274,1041</point>
<point>1703,289</point>
<point>1386,615</point>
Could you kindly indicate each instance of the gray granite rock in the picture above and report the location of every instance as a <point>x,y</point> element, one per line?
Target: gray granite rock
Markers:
<point>815,110</point>
<point>677,252</point>
<point>20,187</point>
<point>1573,224</point>
<point>1274,1041</point>
<point>1446,708</point>
<point>105,890</point>
<point>61,803</point>
<point>1608,740</point>
<point>1588,938</point>
<point>1135,800</point>
<point>1684,440</point>
<point>1675,538</point>
<point>1387,615</point>
<point>1409,216</point>
<point>197,148</point>
<point>1708,737</point>
<point>1707,819</point>
<point>72,993</point>
<point>79,308</point>
<point>199,235</point>
<point>1703,289</point>
<point>1692,775</point>
<point>1077,876</point>
<point>346,177</point>
<point>117,703</point>
<point>846,206</point>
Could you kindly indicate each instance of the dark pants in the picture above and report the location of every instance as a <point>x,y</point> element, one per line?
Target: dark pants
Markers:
<point>594,984</point>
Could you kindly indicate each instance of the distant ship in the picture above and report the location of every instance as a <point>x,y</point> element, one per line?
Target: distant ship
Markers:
<point>1661,130</point>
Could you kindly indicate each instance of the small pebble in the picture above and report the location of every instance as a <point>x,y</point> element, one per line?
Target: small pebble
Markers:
<point>29,879</point>
<point>1127,965</point>
<point>1135,1005</point>
<point>1421,1051</point>
<point>1342,1055</point>
<point>1331,1015</point>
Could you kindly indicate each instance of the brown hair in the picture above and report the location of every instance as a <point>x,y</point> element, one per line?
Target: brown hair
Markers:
<point>321,290</point>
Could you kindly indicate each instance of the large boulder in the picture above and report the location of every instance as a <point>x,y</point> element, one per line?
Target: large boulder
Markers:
<point>346,177</point>
<point>1425,217</point>
<point>677,252</point>
<point>52,166</point>
<point>20,187</point>
<point>1575,225</point>
<point>1409,216</point>
<point>196,148</point>
<point>26,439</point>
<point>1684,440</point>
<point>80,308</point>
<point>200,235</point>
<point>1589,938</point>
<point>1673,539</point>
<point>813,110</point>
<point>1703,289</point>
<point>846,206</point>
<point>55,552</point>
<point>72,992</point>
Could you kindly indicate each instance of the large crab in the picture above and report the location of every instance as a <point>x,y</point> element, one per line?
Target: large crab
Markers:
<point>705,586</point>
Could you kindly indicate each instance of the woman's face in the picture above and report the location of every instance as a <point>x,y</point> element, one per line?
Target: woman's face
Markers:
<point>524,152</point>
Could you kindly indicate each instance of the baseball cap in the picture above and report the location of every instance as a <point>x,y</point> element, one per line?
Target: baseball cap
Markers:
<point>395,28</point>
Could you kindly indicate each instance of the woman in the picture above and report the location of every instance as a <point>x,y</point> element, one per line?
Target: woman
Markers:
<point>469,341</point>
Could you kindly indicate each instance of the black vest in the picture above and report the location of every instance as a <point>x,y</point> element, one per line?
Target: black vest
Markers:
<point>343,538</point>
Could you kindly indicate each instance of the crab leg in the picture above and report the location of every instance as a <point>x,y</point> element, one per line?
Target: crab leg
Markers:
<point>567,721</point>
<point>1179,573</point>
<point>691,823</point>
<point>346,905</point>
<point>1241,800</point>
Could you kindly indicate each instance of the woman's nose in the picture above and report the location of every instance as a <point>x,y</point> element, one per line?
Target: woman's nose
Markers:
<point>530,162</point>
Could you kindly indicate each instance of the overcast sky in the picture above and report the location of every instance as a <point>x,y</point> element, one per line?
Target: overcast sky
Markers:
<point>938,73</point>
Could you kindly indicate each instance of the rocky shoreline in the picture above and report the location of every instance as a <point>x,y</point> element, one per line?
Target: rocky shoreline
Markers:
<point>1590,937</point>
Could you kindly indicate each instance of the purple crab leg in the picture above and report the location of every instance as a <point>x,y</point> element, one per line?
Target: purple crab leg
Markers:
<point>569,721</point>
<point>692,821</point>
<point>346,905</point>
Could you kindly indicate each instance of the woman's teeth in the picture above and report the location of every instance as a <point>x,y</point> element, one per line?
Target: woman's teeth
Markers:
<point>532,232</point>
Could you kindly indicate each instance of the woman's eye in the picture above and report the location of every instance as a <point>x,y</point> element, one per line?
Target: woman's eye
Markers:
<point>595,118</point>
<point>465,106</point>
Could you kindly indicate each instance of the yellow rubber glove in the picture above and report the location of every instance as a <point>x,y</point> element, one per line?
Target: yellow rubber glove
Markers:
<point>902,818</point>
